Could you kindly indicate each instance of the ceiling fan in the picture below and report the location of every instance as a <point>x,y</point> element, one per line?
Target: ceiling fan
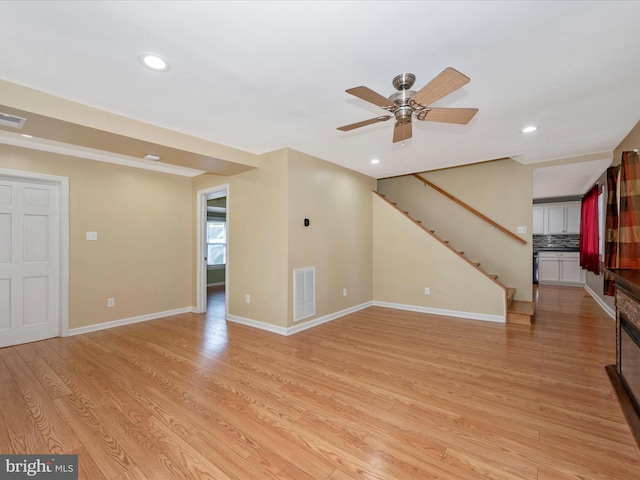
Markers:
<point>406,103</point>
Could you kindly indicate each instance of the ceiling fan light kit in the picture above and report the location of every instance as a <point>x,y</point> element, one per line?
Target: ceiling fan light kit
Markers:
<point>404,104</point>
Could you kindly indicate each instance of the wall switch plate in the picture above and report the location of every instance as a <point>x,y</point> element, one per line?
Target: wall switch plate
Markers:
<point>111,302</point>
<point>427,291</point>
<point>344,292</point>
<point>522,229</point>
<point>92,235</point>
<point>247,298</point>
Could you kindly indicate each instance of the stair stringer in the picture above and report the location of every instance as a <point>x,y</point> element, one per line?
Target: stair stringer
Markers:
<point>407,258</point>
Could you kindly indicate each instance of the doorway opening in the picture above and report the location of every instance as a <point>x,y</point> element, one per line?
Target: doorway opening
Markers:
<point>212,250</point>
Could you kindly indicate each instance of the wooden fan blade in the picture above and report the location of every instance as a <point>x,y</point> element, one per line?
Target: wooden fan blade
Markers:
<point>461,116</point>
<point>402,132</point>
<point>364,123</point>
<point>370,96</point>
<point>447,82</point>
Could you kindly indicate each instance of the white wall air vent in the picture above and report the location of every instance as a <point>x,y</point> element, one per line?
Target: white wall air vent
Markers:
<point>304,293</point>
<point>13,121</point>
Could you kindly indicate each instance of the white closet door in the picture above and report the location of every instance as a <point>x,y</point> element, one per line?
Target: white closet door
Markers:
<point>29,261</point>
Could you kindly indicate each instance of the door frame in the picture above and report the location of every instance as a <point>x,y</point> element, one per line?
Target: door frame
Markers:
<point>63,184</point>
<point>201,266</point>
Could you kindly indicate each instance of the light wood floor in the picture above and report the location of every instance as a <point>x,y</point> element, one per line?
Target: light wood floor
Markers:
<point>378,394</point>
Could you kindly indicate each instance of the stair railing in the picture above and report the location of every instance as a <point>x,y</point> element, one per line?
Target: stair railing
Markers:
<point>470,209</point>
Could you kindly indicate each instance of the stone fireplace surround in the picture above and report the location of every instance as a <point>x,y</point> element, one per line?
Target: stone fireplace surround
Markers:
<point>627,388</point>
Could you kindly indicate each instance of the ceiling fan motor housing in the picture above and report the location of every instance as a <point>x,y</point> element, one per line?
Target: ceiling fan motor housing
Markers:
<point>403,114</point>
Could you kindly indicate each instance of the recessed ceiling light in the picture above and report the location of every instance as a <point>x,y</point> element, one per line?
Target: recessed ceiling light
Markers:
<point>529,129</point>
<point>152,156</point>
<point>154,62</point>
<point>375,161</point>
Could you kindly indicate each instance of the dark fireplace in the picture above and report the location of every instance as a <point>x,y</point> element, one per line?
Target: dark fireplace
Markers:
<point>625,374</point>
<point>629,359</point>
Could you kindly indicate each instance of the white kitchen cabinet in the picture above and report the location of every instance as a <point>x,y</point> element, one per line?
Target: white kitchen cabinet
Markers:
<point>572,217</point>
<point>538,220</point>
<point>556,218</point>
<point>570,270</point>
<point>560,268</point>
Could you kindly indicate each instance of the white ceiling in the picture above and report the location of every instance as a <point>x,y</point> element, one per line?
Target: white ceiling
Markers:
<point>261,75</point>
<point>572,180</point>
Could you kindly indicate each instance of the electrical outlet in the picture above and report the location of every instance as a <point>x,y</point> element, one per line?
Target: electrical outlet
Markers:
<point>427,291</point>
<point>92,236</point>
<point>522,229</point>
<point>344,292</point>
<point>247,298</point>
<point>111,302</point>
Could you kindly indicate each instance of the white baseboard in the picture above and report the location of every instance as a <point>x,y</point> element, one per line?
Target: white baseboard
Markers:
<point>300,327</point>
<point>447,313</point>
<point>288,330</point>
<point>128,321</point>
<point>608,310</point>
<point>327,318</point>
<point>257,324</point>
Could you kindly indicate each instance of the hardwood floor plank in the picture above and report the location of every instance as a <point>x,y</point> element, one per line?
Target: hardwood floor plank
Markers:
<point>54,429</point>
<point>133,474</point>
<point>231,460</point>
<point>379,393</point>
<point>87,467</point>
<point>486,468</point>
<point>106,452</point>
<point>272,465</point>
<point>292,444</point>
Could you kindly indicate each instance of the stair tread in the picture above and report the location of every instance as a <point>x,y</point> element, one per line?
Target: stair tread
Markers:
<point>521,307</point>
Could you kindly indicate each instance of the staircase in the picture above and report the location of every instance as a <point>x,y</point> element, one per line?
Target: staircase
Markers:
<point>518,312</point>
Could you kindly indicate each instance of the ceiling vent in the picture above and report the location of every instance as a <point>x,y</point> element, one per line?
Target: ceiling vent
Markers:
<point>7,120</point>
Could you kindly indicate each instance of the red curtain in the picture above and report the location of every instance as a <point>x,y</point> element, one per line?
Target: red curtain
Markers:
<point>589,232</point>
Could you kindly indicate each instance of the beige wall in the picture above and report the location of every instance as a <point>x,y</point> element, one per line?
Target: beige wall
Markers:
<point>267,238</point>
<point>257,239</point>
<point>406,260</point>
<point>143,254</point>
<point>338,241</point>
<point>501,190</point>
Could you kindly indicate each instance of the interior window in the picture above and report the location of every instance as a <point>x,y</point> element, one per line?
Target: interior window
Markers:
<point>216,242</point>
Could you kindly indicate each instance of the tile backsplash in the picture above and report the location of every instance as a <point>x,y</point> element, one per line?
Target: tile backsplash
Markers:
<point>546,241</point>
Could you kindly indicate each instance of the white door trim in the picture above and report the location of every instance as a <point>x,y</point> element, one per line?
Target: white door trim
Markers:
<point>201,267</point>
<point>63,183</point>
